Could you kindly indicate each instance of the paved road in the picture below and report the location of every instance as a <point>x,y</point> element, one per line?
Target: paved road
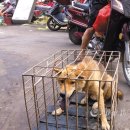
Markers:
<point>22,47</point>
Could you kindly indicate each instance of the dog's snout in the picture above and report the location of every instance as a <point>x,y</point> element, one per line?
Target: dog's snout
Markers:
<point>62,95</point>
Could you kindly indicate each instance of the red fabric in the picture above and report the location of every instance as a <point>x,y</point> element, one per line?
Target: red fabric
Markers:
<point>64,2</point>
<point>48,4</point>
<point>100,24</point>
<point>37,13</point>
<point>8,20</point>
<point>40,3</point>
<point>81,1</point>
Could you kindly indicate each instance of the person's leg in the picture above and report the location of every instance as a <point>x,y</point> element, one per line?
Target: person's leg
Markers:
<point>10,9</point>
<point>89,31</point>
<point>85,40</point>
<point>87,37</point>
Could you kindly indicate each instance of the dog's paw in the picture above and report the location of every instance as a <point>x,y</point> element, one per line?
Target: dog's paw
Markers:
<point>83,101</point>
<point>57,112</point>
<point>95,106</point>
<point>105,126</point>
<point>93,97</point>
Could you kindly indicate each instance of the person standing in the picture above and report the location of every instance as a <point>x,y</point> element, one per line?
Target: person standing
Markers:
<point>95,6</point>
<point>9,7</point>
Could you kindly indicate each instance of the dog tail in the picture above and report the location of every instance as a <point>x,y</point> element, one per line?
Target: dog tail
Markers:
<point>120,94</point>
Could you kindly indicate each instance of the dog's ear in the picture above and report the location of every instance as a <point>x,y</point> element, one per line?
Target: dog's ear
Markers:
<point>57,70</point>
<point>77,73</point>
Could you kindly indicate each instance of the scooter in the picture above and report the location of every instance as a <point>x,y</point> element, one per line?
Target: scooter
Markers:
<point>118,33</point>
<point>57,17</point>
<point>78,22</point>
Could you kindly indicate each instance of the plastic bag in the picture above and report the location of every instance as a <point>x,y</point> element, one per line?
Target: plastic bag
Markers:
<point>101,22</point>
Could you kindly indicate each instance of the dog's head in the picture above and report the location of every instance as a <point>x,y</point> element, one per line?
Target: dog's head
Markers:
<point>69,81</point>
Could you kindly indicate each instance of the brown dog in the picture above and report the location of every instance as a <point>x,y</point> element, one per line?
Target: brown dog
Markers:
<point>86,76</point>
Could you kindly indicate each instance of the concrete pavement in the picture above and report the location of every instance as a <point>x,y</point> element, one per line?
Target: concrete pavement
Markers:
<point>21,47</point>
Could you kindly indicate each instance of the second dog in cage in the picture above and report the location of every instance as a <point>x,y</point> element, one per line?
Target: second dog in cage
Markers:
<point>91,77</point>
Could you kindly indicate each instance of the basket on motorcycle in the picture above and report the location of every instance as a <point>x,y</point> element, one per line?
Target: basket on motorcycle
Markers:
<point>64,2</point>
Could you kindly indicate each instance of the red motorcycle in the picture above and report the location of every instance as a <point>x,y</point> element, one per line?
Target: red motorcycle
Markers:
<point>78,18</point>
<point>78,21</point>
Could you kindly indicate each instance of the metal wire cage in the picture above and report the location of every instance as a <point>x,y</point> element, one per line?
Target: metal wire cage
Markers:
<point>41,94</point>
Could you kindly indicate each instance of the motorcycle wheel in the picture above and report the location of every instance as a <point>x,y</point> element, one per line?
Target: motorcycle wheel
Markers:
<point>73,38</point>
<point>126,66</point>
<point>52,25</point>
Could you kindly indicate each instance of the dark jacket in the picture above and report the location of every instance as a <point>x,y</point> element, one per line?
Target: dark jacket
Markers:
<point>98,4</point>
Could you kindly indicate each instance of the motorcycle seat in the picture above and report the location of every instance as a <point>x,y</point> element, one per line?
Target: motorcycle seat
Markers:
<point>80,6</point>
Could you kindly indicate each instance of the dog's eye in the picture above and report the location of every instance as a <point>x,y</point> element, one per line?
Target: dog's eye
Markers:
<point>62,81</point>
<point>72,82</point>
<point>80,77</point>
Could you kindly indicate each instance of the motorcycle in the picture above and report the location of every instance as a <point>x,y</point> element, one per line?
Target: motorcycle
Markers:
<point>58,17</point>
<point>117,36</point>
<point>118,33</point>
<point>78,21</point>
